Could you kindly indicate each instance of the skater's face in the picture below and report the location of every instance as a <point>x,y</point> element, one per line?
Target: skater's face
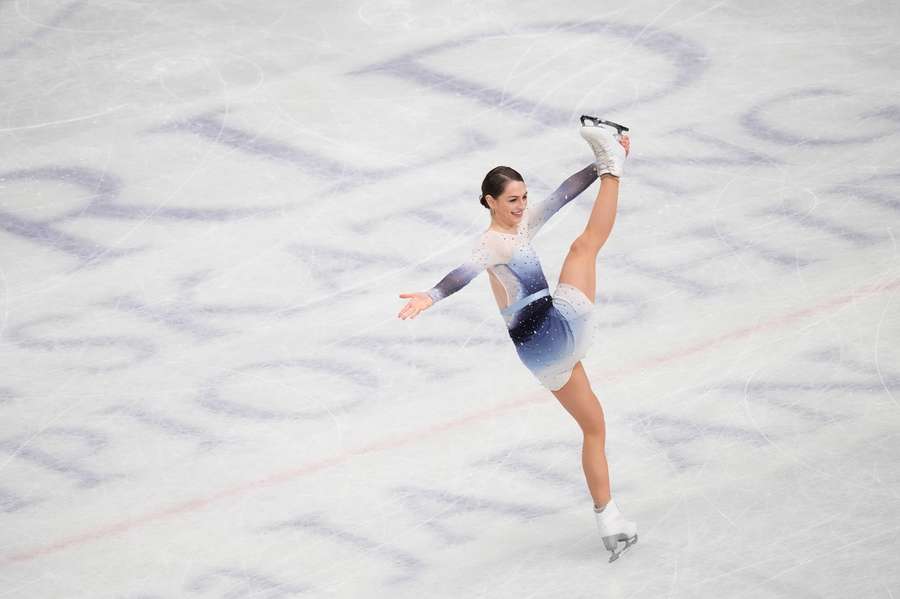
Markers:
<point>510,205</point>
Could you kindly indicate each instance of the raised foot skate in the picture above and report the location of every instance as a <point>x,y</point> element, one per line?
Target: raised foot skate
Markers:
<point>605,137</point>
<point>596,121</point>
<point>612,545</point>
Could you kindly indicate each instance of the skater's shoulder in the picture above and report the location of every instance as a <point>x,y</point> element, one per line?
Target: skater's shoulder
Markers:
<point>492,247</point>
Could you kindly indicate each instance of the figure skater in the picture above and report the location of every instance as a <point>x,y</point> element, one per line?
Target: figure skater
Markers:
<point>552,333</point>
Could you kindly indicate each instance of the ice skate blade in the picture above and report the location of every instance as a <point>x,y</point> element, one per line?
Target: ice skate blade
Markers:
<point>597,121</point>
<point>612,543</point>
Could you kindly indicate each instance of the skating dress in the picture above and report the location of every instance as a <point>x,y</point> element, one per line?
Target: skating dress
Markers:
<point>551,333</point>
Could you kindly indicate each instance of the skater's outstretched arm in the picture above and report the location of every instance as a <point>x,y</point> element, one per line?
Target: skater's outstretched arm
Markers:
<point>565,193</point>
<point>452,282</point>
<point>455,280</point>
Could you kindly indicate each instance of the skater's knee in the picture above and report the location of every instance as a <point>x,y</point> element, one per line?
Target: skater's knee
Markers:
<point>586,245</point>
<point>594,429</point>
<point>593,425</point>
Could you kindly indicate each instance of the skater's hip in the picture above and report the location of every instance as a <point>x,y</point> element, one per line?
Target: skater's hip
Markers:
<point>518,305</point>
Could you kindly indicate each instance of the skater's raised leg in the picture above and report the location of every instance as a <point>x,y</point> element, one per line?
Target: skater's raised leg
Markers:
<point>580,266</point>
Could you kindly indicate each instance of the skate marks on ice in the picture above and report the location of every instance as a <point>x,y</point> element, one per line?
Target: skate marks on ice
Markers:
<point>684,58</point>
<point>818,390</point>
<point>100,194</point>
<point>41,26</point>
<point>866,119</point>
<point>421,519</point>
<point>718,537</point>
<point>200,370</point>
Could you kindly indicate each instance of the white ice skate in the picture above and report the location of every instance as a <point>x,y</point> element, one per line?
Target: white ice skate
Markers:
<point>615,529</point>
<point>603,137</point>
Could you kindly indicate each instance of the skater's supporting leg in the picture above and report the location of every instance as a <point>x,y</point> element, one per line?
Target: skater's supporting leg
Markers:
<point>579,400</point>
<point>576,396</point>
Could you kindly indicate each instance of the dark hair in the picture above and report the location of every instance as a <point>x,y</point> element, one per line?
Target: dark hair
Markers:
<point>495,182</point>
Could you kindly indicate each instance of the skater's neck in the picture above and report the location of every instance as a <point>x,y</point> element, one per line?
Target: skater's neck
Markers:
<point>501,229</point>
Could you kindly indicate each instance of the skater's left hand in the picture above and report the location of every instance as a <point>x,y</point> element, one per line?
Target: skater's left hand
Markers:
<point>626,142</point>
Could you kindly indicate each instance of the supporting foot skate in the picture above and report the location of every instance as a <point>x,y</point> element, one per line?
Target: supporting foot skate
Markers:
<point>612,545</point>
<point>615,529</point>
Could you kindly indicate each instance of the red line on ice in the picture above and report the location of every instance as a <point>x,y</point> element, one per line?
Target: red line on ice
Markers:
<point>200,503</point>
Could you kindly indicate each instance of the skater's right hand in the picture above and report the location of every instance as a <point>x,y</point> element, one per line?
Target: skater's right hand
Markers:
<point>626,142</point>
<point>417,303</point>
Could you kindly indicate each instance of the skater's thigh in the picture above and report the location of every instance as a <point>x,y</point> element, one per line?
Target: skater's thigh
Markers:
<point>579,400</point>
<point>580,268</point>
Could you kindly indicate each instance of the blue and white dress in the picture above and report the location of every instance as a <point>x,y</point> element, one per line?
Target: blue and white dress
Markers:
<point>551,333</point>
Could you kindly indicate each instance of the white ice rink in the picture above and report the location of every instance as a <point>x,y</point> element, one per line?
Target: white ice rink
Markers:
<point>208,210</point>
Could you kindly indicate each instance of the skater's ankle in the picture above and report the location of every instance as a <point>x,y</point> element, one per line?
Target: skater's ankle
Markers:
<point>599,507</point>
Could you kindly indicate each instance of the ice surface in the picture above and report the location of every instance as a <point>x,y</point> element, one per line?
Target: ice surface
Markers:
<point>208,210</point>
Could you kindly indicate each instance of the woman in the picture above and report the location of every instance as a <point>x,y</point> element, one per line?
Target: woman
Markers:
<point>552,333</point>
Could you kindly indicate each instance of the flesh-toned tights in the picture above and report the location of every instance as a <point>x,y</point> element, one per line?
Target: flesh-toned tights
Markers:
<point>576,396</point>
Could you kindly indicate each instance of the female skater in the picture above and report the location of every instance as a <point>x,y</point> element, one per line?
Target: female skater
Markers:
<point>552,333</point>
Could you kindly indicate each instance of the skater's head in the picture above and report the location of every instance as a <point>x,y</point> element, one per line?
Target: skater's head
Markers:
<point>503,192</point>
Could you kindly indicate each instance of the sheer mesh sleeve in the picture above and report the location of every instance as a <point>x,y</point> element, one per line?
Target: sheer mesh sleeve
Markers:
<point>463,274</point>
<point>565,193</point>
